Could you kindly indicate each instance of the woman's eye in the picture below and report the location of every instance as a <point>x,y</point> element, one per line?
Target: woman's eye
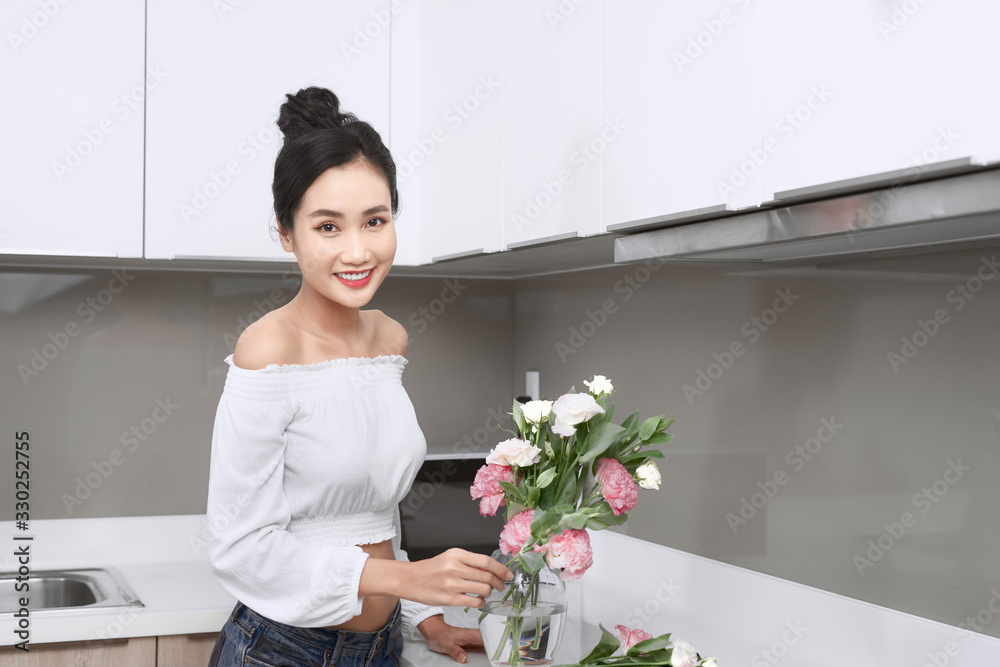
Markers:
<point>377,221</point>
<point>325,225</point>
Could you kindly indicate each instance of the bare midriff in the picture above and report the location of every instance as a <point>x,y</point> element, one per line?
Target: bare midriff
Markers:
<point>375,609</point>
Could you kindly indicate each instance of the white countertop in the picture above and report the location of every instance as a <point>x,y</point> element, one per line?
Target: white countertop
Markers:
<point>159,558</point>
<point>729,612</point>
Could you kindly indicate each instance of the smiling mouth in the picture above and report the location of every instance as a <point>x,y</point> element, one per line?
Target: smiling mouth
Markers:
<point>355,276</point>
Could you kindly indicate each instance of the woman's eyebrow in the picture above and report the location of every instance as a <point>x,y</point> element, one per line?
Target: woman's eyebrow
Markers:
<point>327,213</point>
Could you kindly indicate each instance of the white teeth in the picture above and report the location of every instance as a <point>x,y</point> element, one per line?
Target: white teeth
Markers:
<point>354,276</point>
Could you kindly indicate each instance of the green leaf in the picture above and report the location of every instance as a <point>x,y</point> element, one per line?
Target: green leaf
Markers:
<point>599,440</point>
<point>546,478</point>
<point>533,493</point>
<point>648,428</point>
<point>659,439</point>
<point>543,523</point>
<point>649,645</point>
<point>519,421</point>
<point>607,645</point>
<point>512,491</point>
<point>569,494</point>
<point>532,560</point>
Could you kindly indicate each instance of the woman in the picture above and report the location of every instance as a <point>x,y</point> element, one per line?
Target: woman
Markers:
<point>315,439</point>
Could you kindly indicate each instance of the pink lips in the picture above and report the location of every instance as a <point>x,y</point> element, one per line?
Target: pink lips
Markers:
<point>356,284</point>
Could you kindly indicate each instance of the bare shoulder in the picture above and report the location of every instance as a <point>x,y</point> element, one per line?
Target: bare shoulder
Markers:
<point>391,335</point>
<point>269,340</point>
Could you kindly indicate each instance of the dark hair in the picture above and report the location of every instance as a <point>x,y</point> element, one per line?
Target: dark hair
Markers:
<point>319,136</point>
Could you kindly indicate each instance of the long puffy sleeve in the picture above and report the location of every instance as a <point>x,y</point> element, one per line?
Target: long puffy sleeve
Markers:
<point>413,613</point>
<point>251,551</point>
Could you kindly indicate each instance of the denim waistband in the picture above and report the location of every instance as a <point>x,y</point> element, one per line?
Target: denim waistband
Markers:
<point>348,641</point>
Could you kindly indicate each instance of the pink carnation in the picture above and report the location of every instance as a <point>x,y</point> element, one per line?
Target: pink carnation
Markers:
<point>631,637</point>
<point>617,486</point>
<point>570,552</point>
<point>487,487</point>
<point>516,532</point>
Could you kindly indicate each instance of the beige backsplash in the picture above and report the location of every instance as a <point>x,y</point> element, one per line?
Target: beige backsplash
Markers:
<point>804,406</point>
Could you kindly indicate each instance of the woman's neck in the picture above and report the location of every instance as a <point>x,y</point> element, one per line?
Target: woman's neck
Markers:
<point>323,317</point>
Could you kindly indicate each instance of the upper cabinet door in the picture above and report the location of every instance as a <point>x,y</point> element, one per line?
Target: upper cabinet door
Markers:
<point>554,137</point>
<point>211,133</point>
<point>447,119</point>
<point>73,86</point>
<point>681,90</point>
<point>859,87</point>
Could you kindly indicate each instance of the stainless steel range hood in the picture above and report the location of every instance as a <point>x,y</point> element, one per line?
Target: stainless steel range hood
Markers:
<point>899,212</point>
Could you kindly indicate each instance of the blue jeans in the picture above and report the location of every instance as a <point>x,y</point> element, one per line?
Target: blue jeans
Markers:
<point>250,639</point>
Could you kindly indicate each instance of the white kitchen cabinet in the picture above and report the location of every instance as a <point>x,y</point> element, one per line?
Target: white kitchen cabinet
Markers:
<point>447,125</point>
<point>554,135</point>
<point>860,87</point>
<point>72,125</point>
<point>682,81</point>
<point>211,134</point>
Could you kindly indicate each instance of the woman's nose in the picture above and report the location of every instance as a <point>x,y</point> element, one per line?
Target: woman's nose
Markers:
<point>355,249</point>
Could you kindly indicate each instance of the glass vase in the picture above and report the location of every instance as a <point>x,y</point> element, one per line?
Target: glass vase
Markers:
<point>523,623</point>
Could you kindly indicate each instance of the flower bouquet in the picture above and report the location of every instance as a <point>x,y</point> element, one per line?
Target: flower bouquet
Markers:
<point>569,469</point>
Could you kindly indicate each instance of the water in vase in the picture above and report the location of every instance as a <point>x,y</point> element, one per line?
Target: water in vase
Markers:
<point>540,632</point>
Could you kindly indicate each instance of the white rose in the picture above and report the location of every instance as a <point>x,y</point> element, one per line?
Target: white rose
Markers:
<point>514,452</point>
<point>599,385</point>
<point>573,409</point>
<point>648,475</point>
<point>536,411</point>
<point>683,655</point>
<point>709,662</point>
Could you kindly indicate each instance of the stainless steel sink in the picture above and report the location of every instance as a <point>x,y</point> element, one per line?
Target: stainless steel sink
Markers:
<point>67,589</point>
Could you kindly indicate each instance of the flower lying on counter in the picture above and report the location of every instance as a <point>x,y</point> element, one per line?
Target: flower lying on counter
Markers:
<point>641,648</point>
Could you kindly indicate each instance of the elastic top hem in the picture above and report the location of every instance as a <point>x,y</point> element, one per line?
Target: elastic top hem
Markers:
<point>345,530</point>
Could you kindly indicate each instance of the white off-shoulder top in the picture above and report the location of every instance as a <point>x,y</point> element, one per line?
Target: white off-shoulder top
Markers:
<point>309,461</point>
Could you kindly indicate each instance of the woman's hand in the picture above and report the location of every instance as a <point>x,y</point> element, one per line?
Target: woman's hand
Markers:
<point>447,639</point>
<point>450,578</point>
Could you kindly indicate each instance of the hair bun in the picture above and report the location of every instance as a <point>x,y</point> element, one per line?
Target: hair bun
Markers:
<point>309,110</point>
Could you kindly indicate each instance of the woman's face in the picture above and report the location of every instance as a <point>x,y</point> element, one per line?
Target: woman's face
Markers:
<point>344,238</point>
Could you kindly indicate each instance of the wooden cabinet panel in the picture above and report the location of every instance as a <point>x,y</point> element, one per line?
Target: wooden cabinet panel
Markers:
<point>134,652</point>
<point>185,650</point>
